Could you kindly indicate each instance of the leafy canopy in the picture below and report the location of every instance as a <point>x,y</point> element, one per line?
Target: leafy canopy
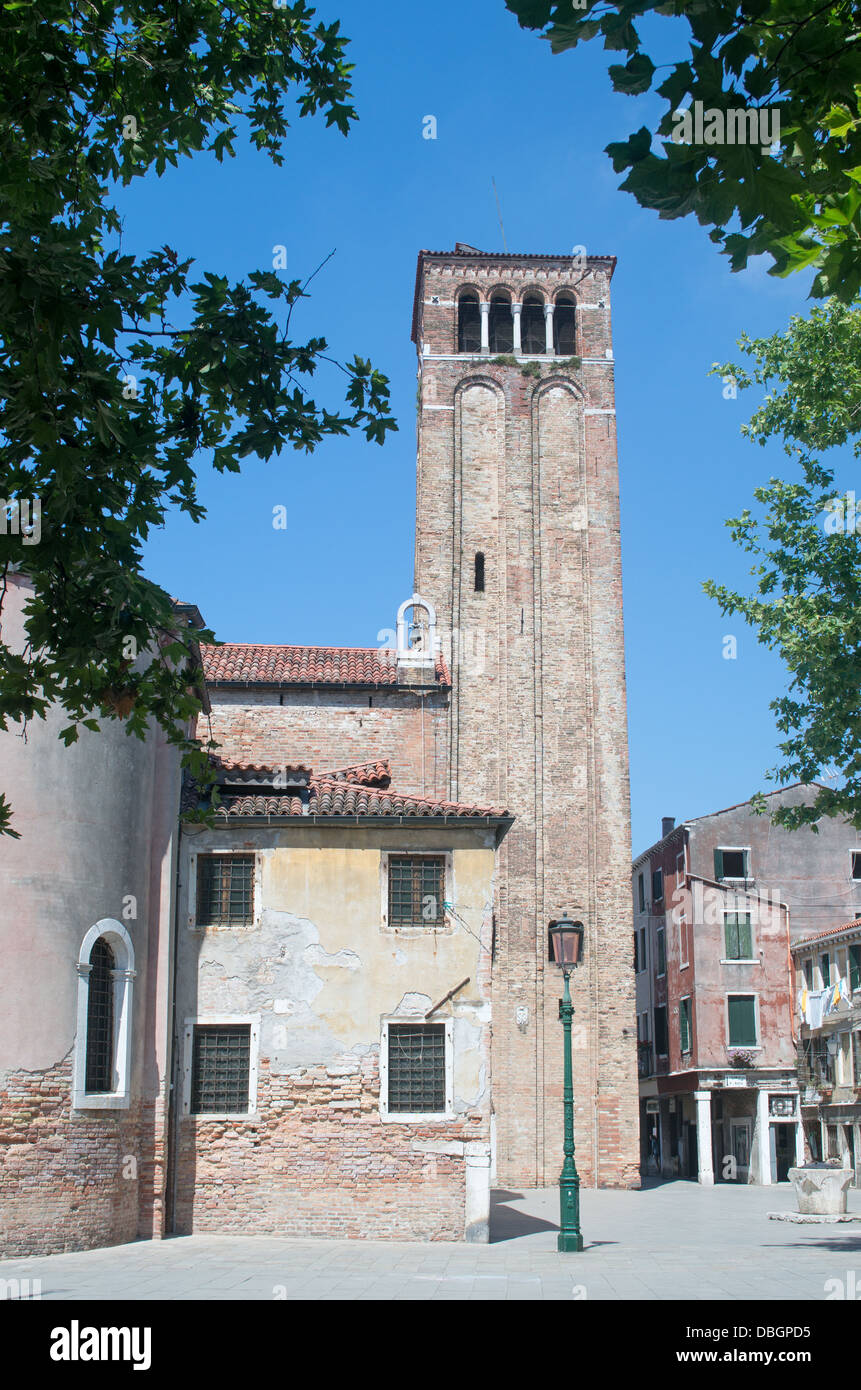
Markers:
<point>802,205</point>
<point>806,603</point>
<point>118,372</point>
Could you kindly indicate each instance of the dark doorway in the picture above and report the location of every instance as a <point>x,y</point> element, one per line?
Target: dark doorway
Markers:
<point>784,1150</point>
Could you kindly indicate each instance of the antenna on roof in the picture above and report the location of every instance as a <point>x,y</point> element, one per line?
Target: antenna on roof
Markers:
<point>499,211</point>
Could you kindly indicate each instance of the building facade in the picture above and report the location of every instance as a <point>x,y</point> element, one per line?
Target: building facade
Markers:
<point>828,997</point>
<point>718,901</point>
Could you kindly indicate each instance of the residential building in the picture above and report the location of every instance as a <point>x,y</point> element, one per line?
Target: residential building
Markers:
<point>828,996</point>
<point>717,902</point>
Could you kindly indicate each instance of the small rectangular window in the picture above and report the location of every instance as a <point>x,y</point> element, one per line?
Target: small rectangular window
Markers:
<point>657,885</point>
<point>661,1030</point>
<point>479,572</point>
<point>738,941</point>
<point>641,892</point>
<point>416,890</point>
<point>220,1068</point>
<point>854,967</point>
<point>732,863</point>
<point>856,864</point>
<point>661,951</point>
<point>225,890</point>
<point>685,1024</point>
<point>742,1020</point>
<point>825,970</point>
<point>416,1065</point>
<point>643,961</point>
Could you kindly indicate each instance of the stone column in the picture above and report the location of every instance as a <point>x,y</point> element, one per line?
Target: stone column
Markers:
<point>484,310</point>
<point>548,328</point>
<point>762,1136</point>
<point>799,1136</point>
<point>705,1174</point>
<point>515,314</point>
<point>477,1212</point>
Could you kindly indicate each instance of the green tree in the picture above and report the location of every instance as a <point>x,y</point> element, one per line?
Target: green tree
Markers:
<point>120,374</point>
<point>802,206</point>
<point>806,603</point>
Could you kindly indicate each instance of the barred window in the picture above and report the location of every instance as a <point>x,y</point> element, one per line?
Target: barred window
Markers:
<point>416,1068</point>
<point>225,890</point>
<point>100,1020</point>
<point>416,890</point>
<point>220,1068</point>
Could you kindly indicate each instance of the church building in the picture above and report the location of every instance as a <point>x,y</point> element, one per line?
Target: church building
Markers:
<point>332,1011</point>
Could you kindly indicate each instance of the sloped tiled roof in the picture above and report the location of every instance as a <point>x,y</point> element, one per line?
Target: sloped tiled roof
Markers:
<point>328,797</point>
<point>822,935</point>
<point>252,663</point>
<point>231,771</point>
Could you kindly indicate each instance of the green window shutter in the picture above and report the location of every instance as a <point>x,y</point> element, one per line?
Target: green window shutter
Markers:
<point>742,1020</point>
<point>855,969</point>
<point>731,936</point>
<point>685,1024</point>
<point>745,938</point>
<point>718,864</point>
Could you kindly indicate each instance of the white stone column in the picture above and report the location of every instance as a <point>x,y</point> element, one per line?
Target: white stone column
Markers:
<point>515,314</point>
<point>762,1137</point>
<point>484,310</point>
<point>477,1213</point>
<point>799,1137</point>
<point>705,1174</point>
<point>548,328</point>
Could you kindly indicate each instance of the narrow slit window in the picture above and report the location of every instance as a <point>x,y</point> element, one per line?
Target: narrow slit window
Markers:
<point>479,572</point>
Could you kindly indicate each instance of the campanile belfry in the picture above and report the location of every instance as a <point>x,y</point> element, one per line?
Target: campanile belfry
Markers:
<point>517,546</point>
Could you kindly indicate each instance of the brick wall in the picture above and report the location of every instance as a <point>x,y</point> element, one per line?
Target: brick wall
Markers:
<point>330,729</point>
<point>61,1178</point>
<point>317,1159</point>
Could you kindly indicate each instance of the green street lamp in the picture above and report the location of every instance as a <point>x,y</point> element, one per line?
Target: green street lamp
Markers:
<point>566,944</point>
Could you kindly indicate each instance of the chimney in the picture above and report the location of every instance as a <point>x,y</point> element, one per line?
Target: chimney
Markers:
<point>668,824</point>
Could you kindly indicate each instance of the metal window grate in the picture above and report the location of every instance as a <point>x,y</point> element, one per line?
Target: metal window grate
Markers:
<point>220,1068</point>
<point>416,1067</point>
<point>416,890</point>
<point>100,1020</point>
<point>225,890</point>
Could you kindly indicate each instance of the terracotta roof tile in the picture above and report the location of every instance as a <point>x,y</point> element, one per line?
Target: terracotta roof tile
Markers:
<point>330,797</point>
<point>256,664</point>
<point>831,931</point>
<point>378,774</point>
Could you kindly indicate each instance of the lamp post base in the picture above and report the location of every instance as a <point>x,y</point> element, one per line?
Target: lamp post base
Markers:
<point>569,1240</point>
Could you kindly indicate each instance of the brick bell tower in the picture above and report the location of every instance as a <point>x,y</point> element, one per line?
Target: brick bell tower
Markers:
<point>517,546</point>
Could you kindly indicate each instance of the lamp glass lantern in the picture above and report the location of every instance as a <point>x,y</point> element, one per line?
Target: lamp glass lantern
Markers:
<point>566,943</point>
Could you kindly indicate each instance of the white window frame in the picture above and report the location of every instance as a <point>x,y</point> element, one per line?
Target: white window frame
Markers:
<point>257,888</point>
<point>221,1020</point>
<point>416,1117</point>
<point>737,849</point>
<point>852,854</point>
<point>449,893</point>
<point>680,870</point>
<point>123,974</point>
<point>684,953</point>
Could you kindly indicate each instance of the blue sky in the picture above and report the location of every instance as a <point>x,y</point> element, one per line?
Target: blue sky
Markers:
<point>702,735</point>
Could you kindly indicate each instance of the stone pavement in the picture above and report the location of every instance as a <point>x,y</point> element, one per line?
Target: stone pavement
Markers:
<point>673,1240</point>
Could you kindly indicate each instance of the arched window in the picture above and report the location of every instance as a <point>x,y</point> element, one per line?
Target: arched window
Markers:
<point>468,324</point>
<point>501,324</point>
<point>100,1019</point>
<point>103,1037</point>
<point>532,334</point>
<point>564,336</point>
